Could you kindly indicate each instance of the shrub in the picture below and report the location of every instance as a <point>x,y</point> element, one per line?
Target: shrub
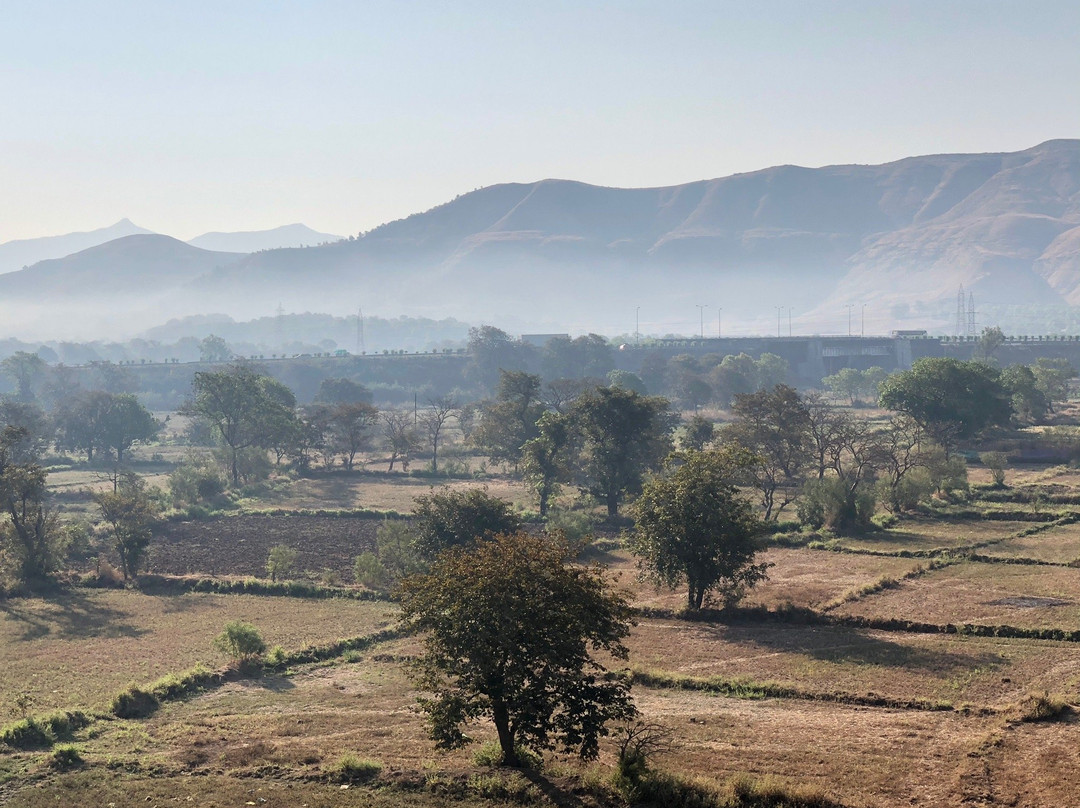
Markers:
<point>241,641</point>
<point>280,561</point>
<point>370,572</point>
<point>196,480</point>
<point>351,769</point>
<point>1040,707</point>
<point>577,526</point>
<point>66,757</point>
<point>134,703</point>
<point>26,733</point>
<point>996,463</point>
<point>514,787</point>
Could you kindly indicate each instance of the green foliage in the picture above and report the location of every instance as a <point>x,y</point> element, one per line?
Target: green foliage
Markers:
<point>246,410</point>
<point>693,526</point>
<point>370,572</point>
<point>134,703</point>
<point>31,545</point>
<point>697,433</point>
<point>1029,403</point>
<point>195,480</point>
<point>829,502</point>
<point>241,641</point>
<point>491,754</point>
<point>130,511</point>
<point>458,518</point>
<point>26,733</point>
<point>65,758</point>
<point>509,422</point>
<point>352,769</point>
<point>1041,707</point>
<point>509,626</point>
<point>952,400</point>
<point>996,462</point>
<point>546,459</point>
<point>576,526</point>
<point>280,561</point>
<point>623,435</point>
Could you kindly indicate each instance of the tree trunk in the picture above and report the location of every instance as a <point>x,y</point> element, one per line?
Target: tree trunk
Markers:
<point>501,718</point>
<point>235,470</point>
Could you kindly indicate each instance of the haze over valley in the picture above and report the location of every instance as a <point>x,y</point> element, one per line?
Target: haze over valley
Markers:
<point>559,255</point>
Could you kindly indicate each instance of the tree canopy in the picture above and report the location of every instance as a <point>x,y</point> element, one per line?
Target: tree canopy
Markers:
<point>510,627</point>
<point>693,526</point>
<point>458,518</point>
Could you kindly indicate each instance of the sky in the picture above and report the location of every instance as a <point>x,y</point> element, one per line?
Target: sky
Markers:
<point>194,116</point>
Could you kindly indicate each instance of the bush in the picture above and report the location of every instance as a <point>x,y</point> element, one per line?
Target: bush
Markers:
<point>577,526</point>
<point>26,733</point>
<point>1040,707</point>
<point>514,787</point>
<point>370,572</point>
<point>828,503</point>
<point>996,463</point>
<point>280,561</point>
<point>196,480</point>
<point>66,757</point>
<point>351,769</point>
<point>241,641</point>
<point>134,703</point>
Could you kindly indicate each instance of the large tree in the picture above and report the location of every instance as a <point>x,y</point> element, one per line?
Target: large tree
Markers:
<point>546,458</point>
<point>623,435</point>
<point>29,534</point>
<point>510,420</point>
<point>775,426</point>
<point>456,518</point>
<point>693,526</point>
<point>951,399</point>
<point>243,407</point>
<point>510,628</point>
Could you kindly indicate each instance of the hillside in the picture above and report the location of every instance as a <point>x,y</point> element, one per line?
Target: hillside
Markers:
<point>15,255</point>
<point>290,235</point>
<point>899,238</point>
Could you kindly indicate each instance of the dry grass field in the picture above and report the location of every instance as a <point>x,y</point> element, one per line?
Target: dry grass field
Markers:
<point>808,698</point>
<point>77,649</point>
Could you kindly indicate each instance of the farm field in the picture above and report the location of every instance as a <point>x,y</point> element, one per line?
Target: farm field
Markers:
<point>77,649</point>
<point>807,699</point>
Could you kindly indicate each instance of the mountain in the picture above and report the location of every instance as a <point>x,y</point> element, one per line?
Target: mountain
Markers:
<point>290,235</point>
<point>899,238</point>
<point>15,255</point>
<point>557,255</point>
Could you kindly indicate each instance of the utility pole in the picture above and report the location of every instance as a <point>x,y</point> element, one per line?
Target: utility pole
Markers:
<point>637,325</point>
<point>719,311</point>
<point>701,315</point>
<point>778,310</point>
<point>789,321</point>
<point>850,306</point>
<point>360,348</point>
<point>862,332</point>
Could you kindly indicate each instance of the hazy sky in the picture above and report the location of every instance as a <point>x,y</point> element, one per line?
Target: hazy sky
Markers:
<point>194,116</point>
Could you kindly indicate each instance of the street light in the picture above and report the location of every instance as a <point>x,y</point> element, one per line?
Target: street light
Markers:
<point>701,315</point>
<point>849,307</point>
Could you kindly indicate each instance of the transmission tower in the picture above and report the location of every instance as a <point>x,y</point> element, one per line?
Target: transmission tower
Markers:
<point>971,314</point>
<point>961,316</point>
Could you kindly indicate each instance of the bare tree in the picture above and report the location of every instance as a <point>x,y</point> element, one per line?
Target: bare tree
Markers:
<point>434,421</point>
<point>400,437</point>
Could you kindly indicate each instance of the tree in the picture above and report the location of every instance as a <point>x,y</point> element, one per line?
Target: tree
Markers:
<point>343,391</point>
<point>27,369</point>
<point>1029,404</point>
<point>242,406</point>
<point>774,426</point>
<point>399,436</point>
<point>491,350</point>
<point>623,435</point>
<point>692,525</point>
<point>546,458</point>
<point>1052,376</point>
<point>990,340</point>
<point>846,382</point>
<point>509,421</point>
<point>698,432</point>
<point>952,400</point>
<point>458,518</point>
<point>124,422</point>
<point>510,630</point>
<point>434,420</point>
<point>900,451</point>
<point>349,428</point>
<point>280,560</point>
<point>214,349</point>
<point>29,533</point>
<point>130,512</point>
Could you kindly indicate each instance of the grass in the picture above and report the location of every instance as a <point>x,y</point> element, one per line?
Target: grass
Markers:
<point>79,648</point>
